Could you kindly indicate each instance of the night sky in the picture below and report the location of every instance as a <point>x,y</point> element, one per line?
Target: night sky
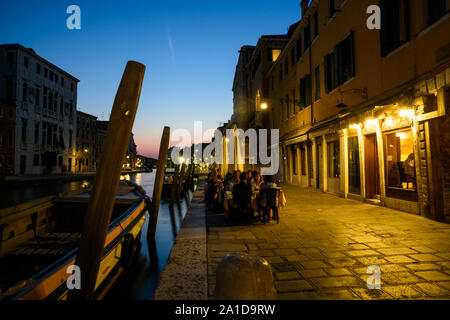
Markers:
<point>190,49</point>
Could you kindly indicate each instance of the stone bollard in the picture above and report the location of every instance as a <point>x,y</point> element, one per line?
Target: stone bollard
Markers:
<point>244,277</point>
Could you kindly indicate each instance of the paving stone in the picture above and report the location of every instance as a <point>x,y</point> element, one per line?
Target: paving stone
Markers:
<point>386,268</point>
<point>425,257</point>
<point>285,252</point>
<point>372,294</point>
<point>267,245</point>
<point>445,264</point>
<point>402,292</point>
<point>290,275</point>
<point>396,251</point>
<point>336,294</point>
<point>444,255</point>
<point>342,262</point>
<point>273,260</point>
<point>362,253</point>
<point>313,264</point>
<point>433,275</point>
<point>336,282</point>
<point>399,259</point>
<point>369,261</point>
<point>338,272</point>
<point>312,273</point>
<point>422,266</point>
<point>228,247</point>
<point>423,249</point>
<point>293,285</point>
<point>432,289</point>
<point>298,257</point>
<point>399,278</point>
<point>444,284</point>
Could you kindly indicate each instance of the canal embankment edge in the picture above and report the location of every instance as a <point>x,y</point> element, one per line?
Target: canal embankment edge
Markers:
<point>185,275</point>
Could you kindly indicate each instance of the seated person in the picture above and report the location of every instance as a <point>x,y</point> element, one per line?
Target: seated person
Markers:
<point>242,194</point>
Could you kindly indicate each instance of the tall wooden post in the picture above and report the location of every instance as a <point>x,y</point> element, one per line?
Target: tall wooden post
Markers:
<point>101,201</point>
<point>180,180</point>
<point>159,180</point>
<point>174,186</point>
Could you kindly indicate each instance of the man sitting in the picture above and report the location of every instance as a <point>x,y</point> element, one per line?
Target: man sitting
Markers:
<point>242,194</point>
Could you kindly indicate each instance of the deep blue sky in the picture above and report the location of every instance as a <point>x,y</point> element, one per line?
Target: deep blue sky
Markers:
<point>190,49</point>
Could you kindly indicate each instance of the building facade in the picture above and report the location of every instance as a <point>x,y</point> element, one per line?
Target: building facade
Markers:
<point>86,137</point>
<point>7,137</point>
<point>363,113</point>
<point>45,99</point>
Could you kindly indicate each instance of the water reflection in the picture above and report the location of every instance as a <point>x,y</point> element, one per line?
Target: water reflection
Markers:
<point>140,280</point>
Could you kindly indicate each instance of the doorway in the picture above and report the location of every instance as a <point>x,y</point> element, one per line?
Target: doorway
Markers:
<point>69,164</point>
<point>372,167</point>
<point>319,164</point>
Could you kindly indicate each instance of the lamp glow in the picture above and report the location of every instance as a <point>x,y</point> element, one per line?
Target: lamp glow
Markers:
<point>264,106</point>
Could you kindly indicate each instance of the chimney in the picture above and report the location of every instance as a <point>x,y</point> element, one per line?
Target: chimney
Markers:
<point>304,6</point>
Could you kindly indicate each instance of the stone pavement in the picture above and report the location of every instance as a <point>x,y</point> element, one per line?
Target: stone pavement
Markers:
<point>324,244</point>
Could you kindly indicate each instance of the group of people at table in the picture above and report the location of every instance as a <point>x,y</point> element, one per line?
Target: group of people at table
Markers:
<point>244,196</point>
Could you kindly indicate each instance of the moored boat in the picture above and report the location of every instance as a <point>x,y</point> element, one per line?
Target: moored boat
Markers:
<point>39,242</point>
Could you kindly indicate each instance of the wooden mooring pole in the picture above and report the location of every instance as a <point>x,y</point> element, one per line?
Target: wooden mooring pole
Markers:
<point>174,186</point>
<point>159,180</point>
<point>181,180</point>
<point>102,198</point>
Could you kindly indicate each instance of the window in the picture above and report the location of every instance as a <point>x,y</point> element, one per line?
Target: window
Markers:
<point>281,72</point>
<point>9,88</point>
<point>293,56</point>
<point>288,107</point>
<point>70,138</point>
<point>37,96</point>
<point>62,81</point>
<point>339,66</point>
<point>24,130</point>
<point>333,159</point>
<point>45,72</point>
<point>332,8</point>
<point>305,91</point>
<point>11,114</point>
<point>294,160</point>
<point>317,83</point>
<point>38,68</point>
<point>294,101</point>
<point>303,159</point>
<point>25,92</point>
<point>25,61</point>
<point>274,54</point>
<point>36,160</point>
<point>436,9</point>
<point>10,137</point>
<point>10,57</point>
<point>395,22</point>
<point>56,78</point>
<point>298,48</point>
<point>36,133</point>
<point>307,37</point>
<point>316,24</point>
<point>51,75</point>
<point>354,176</point>
<point>400,161</point>
<point>286,65</point>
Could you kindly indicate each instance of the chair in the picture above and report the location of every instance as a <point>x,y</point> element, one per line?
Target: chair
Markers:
<point>271,203</point>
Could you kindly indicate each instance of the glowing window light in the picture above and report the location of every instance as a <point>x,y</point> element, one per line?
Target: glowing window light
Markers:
<point>355,126</point>
<point>371,123</point>
<point>406,113</point>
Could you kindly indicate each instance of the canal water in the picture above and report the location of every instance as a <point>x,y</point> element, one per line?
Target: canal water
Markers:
<point>140,280</point>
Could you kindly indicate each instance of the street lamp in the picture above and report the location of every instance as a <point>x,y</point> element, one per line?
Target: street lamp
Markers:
<point>263,106</point>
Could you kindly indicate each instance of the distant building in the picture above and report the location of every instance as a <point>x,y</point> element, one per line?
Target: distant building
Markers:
<point>45,99</point>
<point>7,138</point>
<point>131,155</point>
<point>86,138</point>
<point>102,127</point>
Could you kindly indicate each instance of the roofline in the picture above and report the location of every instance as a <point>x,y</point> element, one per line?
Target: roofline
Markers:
<point>87,114</point>
<point>33,53</point>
